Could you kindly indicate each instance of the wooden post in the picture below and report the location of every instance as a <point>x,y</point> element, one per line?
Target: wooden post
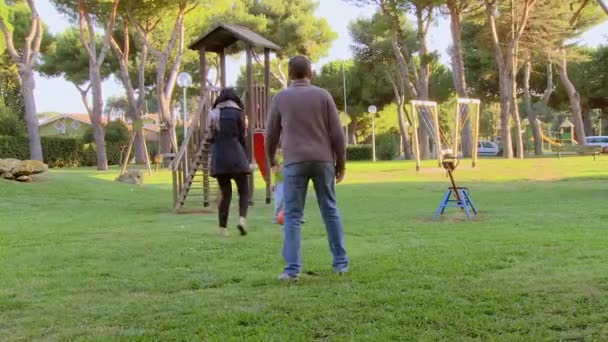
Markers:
<point>456,129</point>
<point>126,160</point>
<point>250,110</point>
<point>416,143</point>
<point>266,108</point>
<point>437,136</point>
<point>147,154</point>
<point>203,119</point>
<point>223,68</point>
<point>476,135</point>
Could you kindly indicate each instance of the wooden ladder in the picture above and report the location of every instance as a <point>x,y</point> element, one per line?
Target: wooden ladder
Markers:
<point>197,184</point>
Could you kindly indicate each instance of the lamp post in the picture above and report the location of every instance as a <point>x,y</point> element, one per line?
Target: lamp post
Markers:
<point>372,110</point>
<point>184,80</point>
<point>344,89</point>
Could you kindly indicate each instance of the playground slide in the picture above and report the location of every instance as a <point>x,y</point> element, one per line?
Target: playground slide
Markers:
<point>550,141</point>
<point>259,152</point>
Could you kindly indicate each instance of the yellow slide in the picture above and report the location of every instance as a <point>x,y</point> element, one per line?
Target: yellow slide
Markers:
<point>550,141</point>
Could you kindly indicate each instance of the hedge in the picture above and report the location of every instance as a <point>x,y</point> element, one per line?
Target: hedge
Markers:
<point>59,152</point>
<point>359,152</point>
<point>387,146</point>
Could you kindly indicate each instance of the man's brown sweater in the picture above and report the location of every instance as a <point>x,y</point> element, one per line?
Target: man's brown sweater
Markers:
<point>305,120</point>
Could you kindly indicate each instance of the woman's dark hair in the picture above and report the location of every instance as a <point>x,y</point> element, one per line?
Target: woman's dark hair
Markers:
<point>228,94</point>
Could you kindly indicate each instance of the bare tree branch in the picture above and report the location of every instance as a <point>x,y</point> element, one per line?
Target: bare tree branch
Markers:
<point>549,88</point>
<point>81,22</point>
<point>29,38</point>
<point>279,77</point>
<point>524,19</point>
<point>143,37</point>
<point>603,5</point>
<point>37,42</point>
<point>177,63</point>
<point>492,20</point>
<point>109,29</point>
<point>578,12</point>
<point>8,37</point>
<point>83,96</point>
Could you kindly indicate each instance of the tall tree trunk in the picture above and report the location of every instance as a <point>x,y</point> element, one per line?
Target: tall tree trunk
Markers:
<point>505,112</point>
<point>532,117</point>
<point>587,120</point>
<point>97,116</point>
<point>170,137</point>
<point>519,142</point>
<point>27,90</point>
<point>352,132</point>
<point>87,27</point>
<point>423,80</point>
<point>574,97</point>
<point>136,104</point>
<point>506,66</point>
<point>26,59</point>
<point>513,54</point>
<point>458,75</point>
<point>406,144</point>
<point>165,81</point>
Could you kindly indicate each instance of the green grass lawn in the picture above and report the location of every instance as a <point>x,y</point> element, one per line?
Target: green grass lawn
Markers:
<point>86,258</point>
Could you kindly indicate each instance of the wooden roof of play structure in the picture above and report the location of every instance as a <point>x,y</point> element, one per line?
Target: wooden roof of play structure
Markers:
<point>224,35</point>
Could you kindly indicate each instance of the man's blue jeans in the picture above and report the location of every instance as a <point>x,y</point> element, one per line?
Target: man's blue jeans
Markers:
<point>296,179</point>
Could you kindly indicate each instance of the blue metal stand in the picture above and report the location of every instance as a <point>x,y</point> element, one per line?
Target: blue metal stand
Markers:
<point>462,200</point>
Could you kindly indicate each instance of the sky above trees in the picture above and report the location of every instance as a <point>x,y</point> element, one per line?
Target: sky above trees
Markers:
<point>338,13</point>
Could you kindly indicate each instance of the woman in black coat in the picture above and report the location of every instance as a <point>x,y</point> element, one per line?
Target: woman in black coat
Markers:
<point>228,159</point>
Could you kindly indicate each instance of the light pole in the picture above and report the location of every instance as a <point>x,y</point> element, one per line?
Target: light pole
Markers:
<point>184,80</point>
<point>372,110</point>
<point>344,88</point>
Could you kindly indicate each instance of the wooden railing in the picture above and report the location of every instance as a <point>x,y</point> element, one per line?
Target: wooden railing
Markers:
<point>183,165</point>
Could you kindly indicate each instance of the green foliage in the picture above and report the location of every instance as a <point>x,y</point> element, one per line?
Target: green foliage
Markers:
<point>19,20</point>
<point>359,152</point>
<point>14,147</point>
<point>365,85</point>
<point>293,25</point>
<point>10,123</point>
<point>10,86</point>
<point>67,57</point>
<point>372,39</point>
<point>115,132</point>
<point>387,145</point>
<point>59,152</point>
<point>62,152</point>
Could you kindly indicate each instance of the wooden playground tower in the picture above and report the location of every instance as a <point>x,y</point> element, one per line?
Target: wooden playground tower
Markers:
<point>191,177</point>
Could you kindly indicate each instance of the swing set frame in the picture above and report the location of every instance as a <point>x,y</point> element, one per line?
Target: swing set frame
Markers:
<point>436,134</point>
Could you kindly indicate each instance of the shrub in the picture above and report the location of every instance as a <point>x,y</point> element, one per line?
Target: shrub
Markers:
<point>359,152</point>
<point>10,124</point>
<point>115,132</point>
<point>387,146</point>
<point>56,151</point>
<point>14,147</point>
<point>114,152</point>
<point>62,152</point>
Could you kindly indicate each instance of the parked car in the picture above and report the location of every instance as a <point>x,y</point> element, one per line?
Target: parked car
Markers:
<point>487,148</point>
<point>598,140</point>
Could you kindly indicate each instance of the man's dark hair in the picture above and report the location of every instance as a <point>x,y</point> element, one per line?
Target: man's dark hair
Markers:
<point>228,94</point>
<point>299,67</point>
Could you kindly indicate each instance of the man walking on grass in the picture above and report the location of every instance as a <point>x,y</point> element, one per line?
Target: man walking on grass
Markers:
<point>305,119</point>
